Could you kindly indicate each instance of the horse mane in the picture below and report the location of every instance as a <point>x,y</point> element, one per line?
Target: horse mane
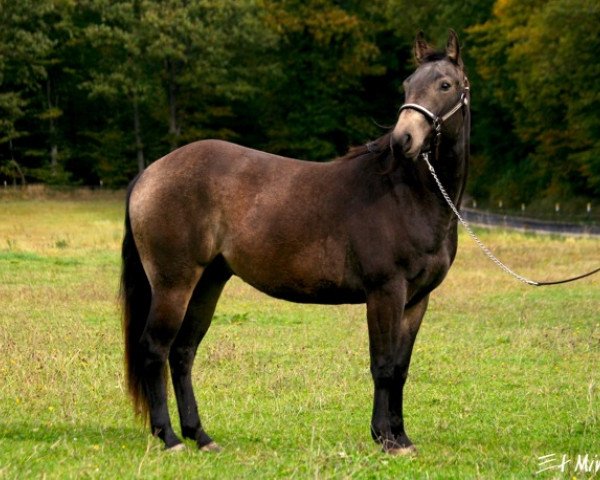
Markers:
<point>375,149</point>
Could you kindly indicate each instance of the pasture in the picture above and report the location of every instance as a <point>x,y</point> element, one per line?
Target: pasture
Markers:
<point>501,374</point>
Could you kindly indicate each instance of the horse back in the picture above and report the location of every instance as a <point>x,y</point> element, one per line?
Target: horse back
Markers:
<point>279,223</point>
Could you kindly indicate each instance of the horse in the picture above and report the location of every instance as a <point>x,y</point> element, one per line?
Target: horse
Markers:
<point>370,228</point>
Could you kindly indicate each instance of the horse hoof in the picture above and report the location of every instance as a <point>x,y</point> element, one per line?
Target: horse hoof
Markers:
<point>211,447</point>
<point>176,448</point>
<point>409,451</point>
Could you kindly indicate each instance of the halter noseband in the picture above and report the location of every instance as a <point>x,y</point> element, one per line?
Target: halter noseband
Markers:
<point>438,121</point>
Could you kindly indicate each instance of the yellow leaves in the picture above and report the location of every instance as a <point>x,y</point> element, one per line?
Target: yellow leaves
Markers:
<point>331,24</point>
<point>501,7</point>
<point>324,24</point>
<point>50,114</point>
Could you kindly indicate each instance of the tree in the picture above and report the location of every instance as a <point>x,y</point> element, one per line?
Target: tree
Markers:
<point>24,48</point>
<point>310,104</point>
<point>121,74</point>
<point>559,94</point>
<point>206,53</point>
<point>537,59</point>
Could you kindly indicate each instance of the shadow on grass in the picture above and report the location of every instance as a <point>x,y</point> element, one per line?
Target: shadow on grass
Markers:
<point>92,434</point>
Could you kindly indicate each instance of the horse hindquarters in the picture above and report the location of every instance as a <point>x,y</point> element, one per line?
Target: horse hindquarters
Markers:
<point>154,308</point>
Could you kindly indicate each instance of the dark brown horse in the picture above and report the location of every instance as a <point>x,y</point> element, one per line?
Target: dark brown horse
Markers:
<point>370,227</point>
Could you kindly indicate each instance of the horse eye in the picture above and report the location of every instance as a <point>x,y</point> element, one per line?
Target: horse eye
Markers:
<point>445,86</point>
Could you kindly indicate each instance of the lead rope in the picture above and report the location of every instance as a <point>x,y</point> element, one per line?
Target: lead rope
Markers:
<point>480,244</point>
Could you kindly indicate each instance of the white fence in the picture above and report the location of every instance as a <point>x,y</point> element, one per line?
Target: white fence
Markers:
<point>488,219</point>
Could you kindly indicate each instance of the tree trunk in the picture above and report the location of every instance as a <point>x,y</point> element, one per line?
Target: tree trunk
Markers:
<point>139,146</point>
<point>52,131</point>
<point>17,167</point>
<point>174,130</point>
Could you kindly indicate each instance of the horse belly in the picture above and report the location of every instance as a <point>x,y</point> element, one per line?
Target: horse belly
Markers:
<point>324,294</point>
<point>309,271</point>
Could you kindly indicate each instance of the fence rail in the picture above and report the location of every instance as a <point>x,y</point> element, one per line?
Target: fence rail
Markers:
<point>488,219</point>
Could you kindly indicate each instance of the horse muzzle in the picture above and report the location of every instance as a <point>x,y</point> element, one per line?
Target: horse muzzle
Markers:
<point>411,133</point>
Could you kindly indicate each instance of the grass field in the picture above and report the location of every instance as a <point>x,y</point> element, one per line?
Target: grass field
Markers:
<point>502,373</point>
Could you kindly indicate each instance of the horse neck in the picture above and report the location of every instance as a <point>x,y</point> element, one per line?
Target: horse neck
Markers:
<point>452,165</point>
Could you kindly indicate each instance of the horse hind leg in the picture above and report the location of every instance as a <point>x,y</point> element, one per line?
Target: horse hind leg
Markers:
<point>183,351</point>
<point>167,310</point>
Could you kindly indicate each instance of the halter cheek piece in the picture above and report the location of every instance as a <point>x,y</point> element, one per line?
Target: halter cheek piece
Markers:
<point>436,121</point>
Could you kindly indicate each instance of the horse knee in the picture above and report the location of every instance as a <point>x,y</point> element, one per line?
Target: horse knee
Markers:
<point>181,360</point>
<point>401,373</point>
<point>153,354</point>
<point>382,372</point>
<point>155,345</point>
<point>164,322</point>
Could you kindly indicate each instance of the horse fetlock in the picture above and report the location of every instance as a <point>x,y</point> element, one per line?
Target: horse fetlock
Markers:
<point>190,432</point>
<point>167,435</point>
<point>381,431</point>
<point>397,426</point>
<point>203,439</point>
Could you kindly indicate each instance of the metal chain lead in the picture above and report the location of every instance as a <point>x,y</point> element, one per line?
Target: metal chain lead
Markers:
<point>479,243</point>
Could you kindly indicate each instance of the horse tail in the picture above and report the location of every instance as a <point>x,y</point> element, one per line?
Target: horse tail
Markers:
<point>135,298</point>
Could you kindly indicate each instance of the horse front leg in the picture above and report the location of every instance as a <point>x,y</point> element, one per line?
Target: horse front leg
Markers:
<point>387,337</point>
<point>409,327</point>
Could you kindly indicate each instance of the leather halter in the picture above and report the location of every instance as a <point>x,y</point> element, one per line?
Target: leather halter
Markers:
<point>438,121</point>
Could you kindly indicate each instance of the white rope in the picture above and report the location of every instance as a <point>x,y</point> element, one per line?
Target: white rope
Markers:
<point>479,243</point>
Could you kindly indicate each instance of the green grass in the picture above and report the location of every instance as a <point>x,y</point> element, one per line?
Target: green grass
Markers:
<point>502,373</point>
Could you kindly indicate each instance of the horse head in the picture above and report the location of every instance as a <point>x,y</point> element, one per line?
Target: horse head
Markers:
<point>436,99</point>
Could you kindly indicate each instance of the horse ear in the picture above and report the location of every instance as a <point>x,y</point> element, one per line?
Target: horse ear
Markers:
<point>453,48</point>
<point>421,47</point>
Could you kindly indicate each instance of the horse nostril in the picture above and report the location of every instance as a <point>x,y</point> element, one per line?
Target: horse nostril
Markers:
<point>406,142</point>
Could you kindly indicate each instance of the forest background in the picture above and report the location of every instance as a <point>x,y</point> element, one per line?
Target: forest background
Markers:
<point>91,91</point>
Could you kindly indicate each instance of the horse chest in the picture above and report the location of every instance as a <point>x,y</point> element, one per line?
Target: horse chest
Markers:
<point>428,271</point>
